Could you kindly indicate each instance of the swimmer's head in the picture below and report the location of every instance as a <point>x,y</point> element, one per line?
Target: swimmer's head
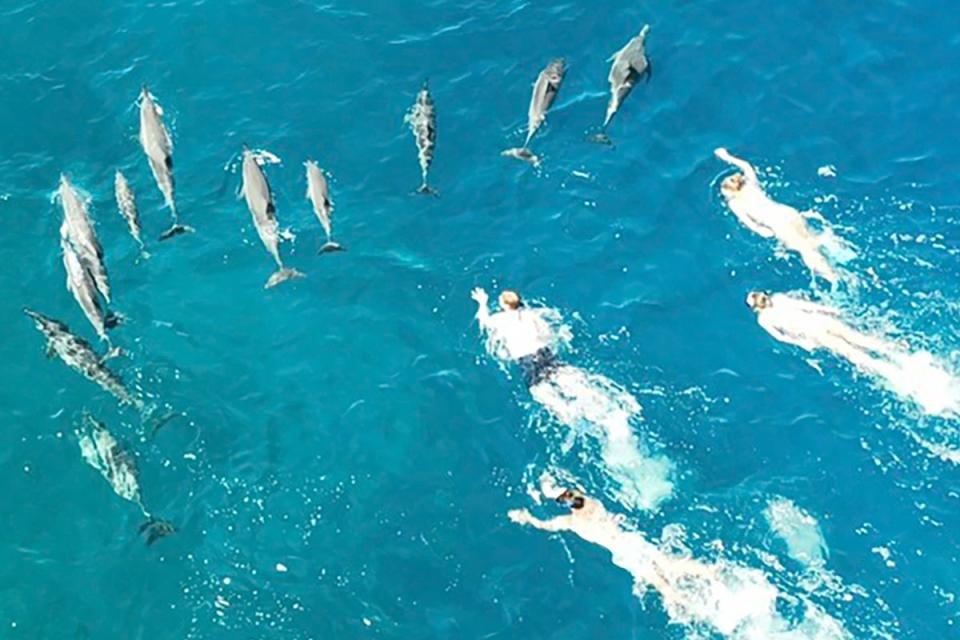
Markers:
<point>510,300</point>
<point>758,300</point>
<point>732,185</point>
<point>573,499</point>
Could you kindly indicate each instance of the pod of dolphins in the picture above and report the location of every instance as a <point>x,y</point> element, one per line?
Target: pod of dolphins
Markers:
<point>86,272</point>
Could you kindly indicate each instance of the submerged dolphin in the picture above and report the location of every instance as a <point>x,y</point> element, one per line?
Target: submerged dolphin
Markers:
<point>545,91</point>
<point>127,205</point>
<point>319,196</point>
<point>77,354</point>
<point>117,466</point>
<point>81,285</point>
<point>256,191</point>
<point>158,147</point>
<point>81,234</point>
<point>629,65</point>
<point>423,123</point>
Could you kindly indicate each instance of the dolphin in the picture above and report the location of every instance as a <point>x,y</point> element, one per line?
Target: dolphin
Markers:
<point>127,205</point>
<point>81,285</point>
<point>158,147</point>
<point>82,236</point>
<point>77,354</point>
<point>423,123</point>
<point>319,196</point>
<point>629,65</point>
<point>118,467</point>
<point>545,91</point>
<point>256,191</point>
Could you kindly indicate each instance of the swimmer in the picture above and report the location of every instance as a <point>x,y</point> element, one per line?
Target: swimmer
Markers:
<point>813,326</point>
<point>770,219</point>
<point>587,517</point>
<point>733,600</point>
<point>520,334</point>
<point>586,402</point>
<point>917,375</point>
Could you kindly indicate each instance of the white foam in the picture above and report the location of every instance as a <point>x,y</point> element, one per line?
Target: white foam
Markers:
<point>598,406</point>
<point>922,378</point>
<point>735,601</point>
<point>799,531</point>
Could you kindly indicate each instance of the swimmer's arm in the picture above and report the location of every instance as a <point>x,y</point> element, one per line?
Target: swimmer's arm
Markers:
<point>524,517</point>
<point>748,171</point>
<point>783,336</point>
<point>483,307</point>
<point>749,223</point>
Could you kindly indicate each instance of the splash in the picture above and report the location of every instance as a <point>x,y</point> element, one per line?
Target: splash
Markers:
<point>596,405</point>
<point>735,601</point>
<point>799,531</point>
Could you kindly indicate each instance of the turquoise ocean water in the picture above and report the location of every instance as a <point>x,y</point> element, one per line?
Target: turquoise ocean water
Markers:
<point>348,451</point>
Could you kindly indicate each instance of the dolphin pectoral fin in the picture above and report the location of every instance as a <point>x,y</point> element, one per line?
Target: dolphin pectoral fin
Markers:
<point>114,352</point>
<point>176,230</point>
<point>282,275</point>
<point>50,351</point>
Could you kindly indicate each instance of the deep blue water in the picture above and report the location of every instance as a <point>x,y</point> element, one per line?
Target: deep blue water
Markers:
<point>350,426</point>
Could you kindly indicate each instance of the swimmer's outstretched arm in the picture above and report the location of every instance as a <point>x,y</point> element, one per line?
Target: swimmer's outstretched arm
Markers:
<point>748,171</point>
<point>483,307</point>
<point>524,517</point>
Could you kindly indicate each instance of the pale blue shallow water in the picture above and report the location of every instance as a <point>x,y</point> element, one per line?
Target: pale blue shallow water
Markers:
<point>350,426</point>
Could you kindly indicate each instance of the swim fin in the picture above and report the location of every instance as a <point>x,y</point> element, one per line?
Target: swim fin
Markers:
<point>283,275</point>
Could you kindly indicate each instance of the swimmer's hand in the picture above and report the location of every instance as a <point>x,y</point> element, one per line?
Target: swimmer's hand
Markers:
<point>520,516</point>
<point>480,296</point>
<point>723,154</point>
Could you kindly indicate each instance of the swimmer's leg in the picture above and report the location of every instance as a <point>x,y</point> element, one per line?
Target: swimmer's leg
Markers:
<point>817,263</point>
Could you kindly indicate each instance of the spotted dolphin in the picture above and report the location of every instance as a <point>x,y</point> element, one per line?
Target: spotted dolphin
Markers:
<point>629,65</point>
<point>80,231</point>
<point>127,206</point>
<point>118,467</point>
<point>256,191</point>
<point>77,354</point>
<point>545,91</point>
<point>158,147</point>
<point>423,123</point>
<point>81,285</point>
<point>318,194</point>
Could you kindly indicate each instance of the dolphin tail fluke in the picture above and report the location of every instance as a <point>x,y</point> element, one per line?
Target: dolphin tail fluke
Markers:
<point>282,275</point>
<point>330,247</point>
<point>522,153</point>
<point>113,319</point>
<point>176,230</point>
<point>427,190</point>
<point>155,528</point>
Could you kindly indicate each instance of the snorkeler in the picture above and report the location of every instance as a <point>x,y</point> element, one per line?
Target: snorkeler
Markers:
<point>816,326</point>
<point>731,599</point>
<point>917,375</point>
<point>519,333</point>
<point>587,517</point>
<point>770,219</point>
<point>589,403</point>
